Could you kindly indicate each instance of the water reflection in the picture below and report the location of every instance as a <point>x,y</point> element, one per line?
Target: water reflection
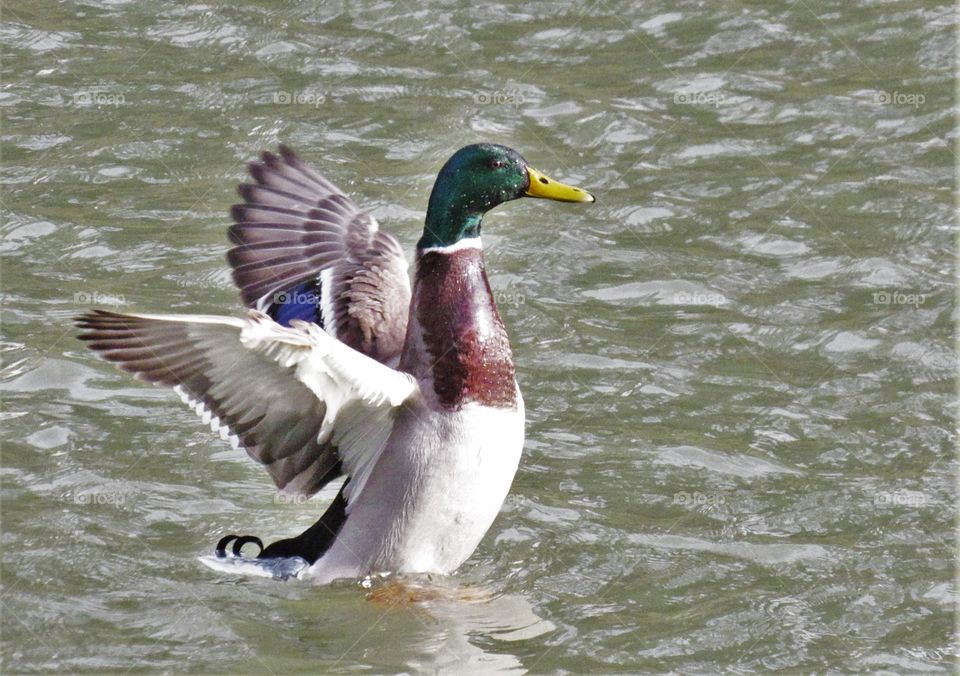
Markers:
<point>457,618</point>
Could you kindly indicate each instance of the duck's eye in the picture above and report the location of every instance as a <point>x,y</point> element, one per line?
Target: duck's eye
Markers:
<point>495,163</point>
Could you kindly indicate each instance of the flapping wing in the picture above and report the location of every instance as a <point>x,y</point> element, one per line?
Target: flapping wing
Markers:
<point>289,396</point>
<point>304,249</point>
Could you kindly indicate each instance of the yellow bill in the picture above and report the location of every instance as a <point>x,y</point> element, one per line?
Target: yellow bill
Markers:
<point>547,188</point>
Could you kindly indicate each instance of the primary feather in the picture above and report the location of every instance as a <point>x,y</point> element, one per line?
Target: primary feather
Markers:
<point>298,400</point>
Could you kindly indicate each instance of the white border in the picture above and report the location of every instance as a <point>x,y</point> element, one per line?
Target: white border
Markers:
<point>459,245</point>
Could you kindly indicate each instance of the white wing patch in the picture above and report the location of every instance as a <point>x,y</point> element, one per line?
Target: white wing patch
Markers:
<point>360,393</point>
<point>207,416</point>
<point>297,399</point>
<point>327,311</point>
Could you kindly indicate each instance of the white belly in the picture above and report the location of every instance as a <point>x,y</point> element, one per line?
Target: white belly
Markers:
<point>432,496</point>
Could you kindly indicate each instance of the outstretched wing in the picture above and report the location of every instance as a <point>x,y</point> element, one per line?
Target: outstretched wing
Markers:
<point>304,250</point>
<point>288,395</point>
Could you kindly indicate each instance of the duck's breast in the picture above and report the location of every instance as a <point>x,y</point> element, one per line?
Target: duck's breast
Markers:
<point>456,344</point>
<point>433,494</point>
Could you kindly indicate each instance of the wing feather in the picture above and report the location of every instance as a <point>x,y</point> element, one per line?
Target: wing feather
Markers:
<point>299,401</point>
<point>296,226</point>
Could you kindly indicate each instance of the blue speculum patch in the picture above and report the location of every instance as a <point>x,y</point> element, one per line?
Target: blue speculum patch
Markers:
<point>301,302</point>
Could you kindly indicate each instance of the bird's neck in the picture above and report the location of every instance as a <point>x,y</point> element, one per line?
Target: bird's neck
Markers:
<point>455,338</point>
<point>451,215</point>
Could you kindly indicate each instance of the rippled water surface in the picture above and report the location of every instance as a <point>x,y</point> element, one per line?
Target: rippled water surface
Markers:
<point>738,364</point>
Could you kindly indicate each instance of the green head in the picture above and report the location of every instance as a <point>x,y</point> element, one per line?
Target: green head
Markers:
<point>476,179</point>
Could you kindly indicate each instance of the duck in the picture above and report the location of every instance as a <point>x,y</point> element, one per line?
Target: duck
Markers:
<point>343,368</point>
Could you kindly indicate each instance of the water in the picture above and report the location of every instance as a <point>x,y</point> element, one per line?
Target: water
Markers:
<point>738,364</point>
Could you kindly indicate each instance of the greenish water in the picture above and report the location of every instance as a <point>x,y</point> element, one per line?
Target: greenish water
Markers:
<point>738,364</point>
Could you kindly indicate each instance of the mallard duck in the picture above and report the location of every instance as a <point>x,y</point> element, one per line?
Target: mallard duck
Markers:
<point>340,368</point>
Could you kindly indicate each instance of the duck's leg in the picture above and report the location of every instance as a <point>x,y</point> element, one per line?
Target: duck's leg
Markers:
<point>309,545</point>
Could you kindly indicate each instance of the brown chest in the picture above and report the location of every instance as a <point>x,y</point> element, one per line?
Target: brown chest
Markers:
<point>462,343</point>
